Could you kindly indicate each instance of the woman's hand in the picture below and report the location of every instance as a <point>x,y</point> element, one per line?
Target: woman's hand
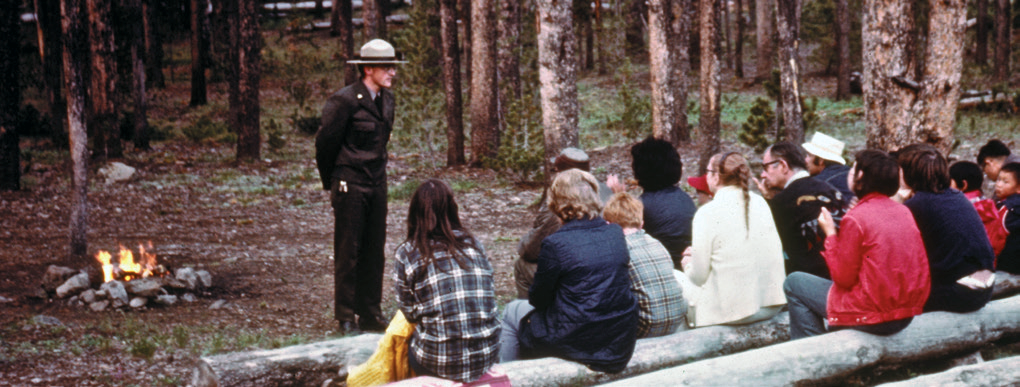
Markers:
<point>688,256</point>
<point>826,223</point>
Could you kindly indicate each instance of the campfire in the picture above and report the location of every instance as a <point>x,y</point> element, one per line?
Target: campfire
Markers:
<point>127,282</point>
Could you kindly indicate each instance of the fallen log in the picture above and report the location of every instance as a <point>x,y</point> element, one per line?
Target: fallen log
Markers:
<point>298,365</point>
<point>828,356</point>
<point>356,22</point>
<point>1001,372</point>
<point>972,102</point>
<point>654,353</point>
<point>1005,285</point>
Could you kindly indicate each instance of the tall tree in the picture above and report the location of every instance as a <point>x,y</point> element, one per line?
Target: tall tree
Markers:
<point>680,30</point>
<point>140,123</point>
<point>451,83</point>
<point>557,55</point>
<point>724,28</point>
<point>583,19</point>
<point>48,32</point>
<point>662,59</point>
<point>600,37</point>
<point>981,32</point>
<point>1003,24</point>
<point>340,25</point>
<point>465,56</point>
<point>154,29</point>
<point>375,21</point>
<point>842,49</point>
<point>245,107</point>
<point>899,108</point>
<point>788,25</point>
<point>708,121</point>
<point>509,58</point>
<point>10,96</point>
<point>102,101</point>
<point>634,32</point>
<point>198,89</point>
<point>766,28</point>
<point>484,101</point>
<point>75,55</point>
<point>738,43</point>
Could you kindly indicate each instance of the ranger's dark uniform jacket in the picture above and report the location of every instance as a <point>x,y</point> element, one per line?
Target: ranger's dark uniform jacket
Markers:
<point>351,144</point>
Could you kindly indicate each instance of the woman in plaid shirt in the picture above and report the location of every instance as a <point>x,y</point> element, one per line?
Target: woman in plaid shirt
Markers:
<point>444,285</point>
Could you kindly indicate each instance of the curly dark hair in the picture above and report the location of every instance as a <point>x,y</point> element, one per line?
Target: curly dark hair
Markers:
<point>656,164</point>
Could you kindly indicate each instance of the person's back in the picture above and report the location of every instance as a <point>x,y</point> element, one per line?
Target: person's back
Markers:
<point>1008,187</point>
<point>668,213</point>
<point>968,178</point>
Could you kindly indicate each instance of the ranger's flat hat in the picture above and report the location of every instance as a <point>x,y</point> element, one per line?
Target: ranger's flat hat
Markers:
<point>825,147</point>
<point>377,51</point>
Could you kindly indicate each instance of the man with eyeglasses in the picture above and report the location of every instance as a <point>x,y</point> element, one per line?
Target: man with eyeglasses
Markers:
<point>796,199</point>
<point>350,151</point>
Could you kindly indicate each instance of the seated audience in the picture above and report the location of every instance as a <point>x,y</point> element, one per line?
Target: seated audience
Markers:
<point>661,305</point>
<point>825,162</point>
<point>960,257</point>
<point>1007,187</point>
<point>733,272</point>
<point>444,285</point>
<point>546,222</point>
<point>668,209</point>
<point>580,306</point>
<point>880,278</point>
<point>967,177</point>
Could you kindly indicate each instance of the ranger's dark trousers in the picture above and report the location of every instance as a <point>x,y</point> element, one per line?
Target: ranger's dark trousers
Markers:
<point>359,238</point>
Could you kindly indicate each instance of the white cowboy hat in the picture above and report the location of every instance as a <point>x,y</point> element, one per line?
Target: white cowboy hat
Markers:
<point>826,147</point>
<point>377,51</point>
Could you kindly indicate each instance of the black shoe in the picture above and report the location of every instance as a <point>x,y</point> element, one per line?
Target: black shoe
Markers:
<point>371,324</point>
<point>348,328</point>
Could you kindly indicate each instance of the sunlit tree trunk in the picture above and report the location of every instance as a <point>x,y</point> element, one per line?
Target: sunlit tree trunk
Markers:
<point>1002,40</point>
<point>484,89</point>
<point>934,111</point>
<point>103,122</point>
<point>10,96</point>
<point>843,49</point>
<point>75,55</point>
<point>465,56</point>
<point>662,59</point>
<point>198,89</point>
<point>451,84</point>
<point>340,26</point>
<point>600,37</point>
<point>557,74</point>
<point>766,28</point>
<point>788,25</point>
<point>708,122</point>
<point>375,22</point>
<point>246,110</point>
<point>509,62</point>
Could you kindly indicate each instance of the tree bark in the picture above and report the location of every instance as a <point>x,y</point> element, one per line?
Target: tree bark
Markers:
<point>634,32</point>
<point>981,33</point>
<point>887,29</point>
<point>198,94</point>
<point>465,57</point>
<point>934,111</point>
<point>509,62</point>
<point>662,58</point>
<point>451,83</point>
<point>724,29</point>
<point>484,89</point>
<point>842,28</point>
<point>246,109</point>
<point>48,27</point>
<point>557,74</point>
<point>10,96</point>
<point>766,28</point>
<point>153,44</point>
<point>1000,372</point>
<point>140,123</point>
<point>589,35</point>
<point>103,82</point>
<point>738,42</point>
<point>75,55</point>
<point>600,38</point>
<point>680,81</point>
<point>708,121</point>
<point>375,21</point>
<point>342,27</point>
<point>788,24</point>
<point>1002,40</point>
<point>320,8</point>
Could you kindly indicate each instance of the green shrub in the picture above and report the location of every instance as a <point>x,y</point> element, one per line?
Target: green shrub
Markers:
<point>754,132</point>
<point>143,348</point>
<point>205,129</point>
<point>274,136</point>
<point>637,110</point>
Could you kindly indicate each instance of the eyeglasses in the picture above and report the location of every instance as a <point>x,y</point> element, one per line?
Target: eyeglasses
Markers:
<point>766,165</point>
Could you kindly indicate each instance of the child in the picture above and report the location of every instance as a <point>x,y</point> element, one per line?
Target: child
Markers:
<point>661,305</point>
<point>967,177</point>
<point>1007,186</point>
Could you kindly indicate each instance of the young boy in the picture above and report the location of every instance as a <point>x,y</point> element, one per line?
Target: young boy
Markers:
<point>967,177</point>
<point>1007,186</point>
<point>661,305</point>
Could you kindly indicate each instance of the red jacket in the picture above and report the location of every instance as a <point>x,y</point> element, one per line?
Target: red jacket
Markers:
<point>992,218</point>
<point>878,264</point>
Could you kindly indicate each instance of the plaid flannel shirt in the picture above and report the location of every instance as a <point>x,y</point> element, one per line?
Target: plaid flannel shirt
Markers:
<point>457,336</point>
<point>661,306</point>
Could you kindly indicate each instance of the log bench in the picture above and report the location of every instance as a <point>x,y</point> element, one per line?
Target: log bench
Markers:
<point>995,373</point>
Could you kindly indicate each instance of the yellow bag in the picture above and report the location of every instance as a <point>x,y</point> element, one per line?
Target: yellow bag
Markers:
<point>389,362</point>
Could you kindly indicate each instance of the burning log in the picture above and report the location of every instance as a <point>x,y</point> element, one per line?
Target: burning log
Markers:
<point>825,357</point>
<point>1001,372</point>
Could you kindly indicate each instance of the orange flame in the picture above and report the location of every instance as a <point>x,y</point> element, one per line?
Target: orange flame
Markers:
<point>104,258</point>
<point>127,267</point>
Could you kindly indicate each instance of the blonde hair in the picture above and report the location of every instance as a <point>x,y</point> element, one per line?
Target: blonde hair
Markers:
<point>574,195</point>
<point>624,210</point>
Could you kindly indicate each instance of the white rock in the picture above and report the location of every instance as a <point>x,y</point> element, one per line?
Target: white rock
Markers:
<point>218,304</point>
<point>73,285</point>
<point>5,300</point>
<point>99,306</point>
<point>188,297</point>
<point>56,276</point>
<point>116,293</point>
<point>88,296</point>
<point>204,278</point>
<point>138,302</point>
<point>102,293</point>
<point>144,287</point>
<point>188,276</point>
<point>116,171</point>
<point>166,299</point>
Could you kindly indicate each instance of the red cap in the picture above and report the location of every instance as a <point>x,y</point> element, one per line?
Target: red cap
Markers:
<point>699,183</point>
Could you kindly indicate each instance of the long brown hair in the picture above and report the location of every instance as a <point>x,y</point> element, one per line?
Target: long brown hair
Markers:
<point>433,223</point>
<point>733,170</point>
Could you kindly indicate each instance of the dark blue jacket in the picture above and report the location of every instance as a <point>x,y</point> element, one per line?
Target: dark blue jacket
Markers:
<point>584,308</point>
<point>668,214</point>
<point>1009,258</point>
<point>835,175</point>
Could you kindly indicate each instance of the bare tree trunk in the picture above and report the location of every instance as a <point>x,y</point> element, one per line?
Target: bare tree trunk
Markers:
<point>10,96</point>
<point>75,55</point>
<point>934,112</point>
<point>724,27</point>
<point>320,8</point>
<point>451,84</point>
<point>137,42</point>
<point>153,44</point>
<point>981,32</point>
<point>634,34</point>
<point>484,89</point>
<point>246,111</point>
<point>509,62</point>
<point>708,121</point>
<point>465,57</point>
<point>557,54</point>
<point>371,13</point>
<point>788,24</point>
<point>50,46</point>
<point>600,38</point>
<point>888,61</point>
<point>843,50</point>
<point>340,26</point>
<point>198,94</point>
<point>103,81</point>
<point>680,29</point>
<point>661,61</point>
<point>589,36</point>
<point>766,28</point>
<point>1002,40</point>
<point>738,42</point>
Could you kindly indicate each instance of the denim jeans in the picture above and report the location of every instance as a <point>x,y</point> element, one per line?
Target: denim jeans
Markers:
<point>509,345</point>
<point>807,296</point>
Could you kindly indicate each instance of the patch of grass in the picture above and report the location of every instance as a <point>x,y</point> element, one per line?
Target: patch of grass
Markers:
<point>403,190</point>
<point>143,347</point>
<point>463,185</point>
